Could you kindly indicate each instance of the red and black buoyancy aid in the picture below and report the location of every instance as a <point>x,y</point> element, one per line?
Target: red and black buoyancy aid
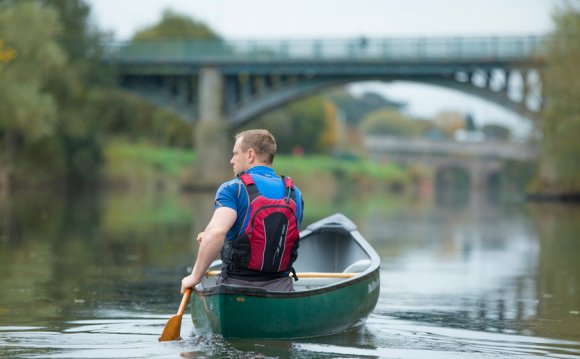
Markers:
<point>269,245</point>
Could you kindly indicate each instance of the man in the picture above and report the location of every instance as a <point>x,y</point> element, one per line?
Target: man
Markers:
<point>255,223</point>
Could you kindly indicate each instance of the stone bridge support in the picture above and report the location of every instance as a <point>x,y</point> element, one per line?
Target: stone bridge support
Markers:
<point>480,173</point>
<point>213,141</point>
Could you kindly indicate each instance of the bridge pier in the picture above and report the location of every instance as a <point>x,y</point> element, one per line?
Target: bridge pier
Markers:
<point>213,140</point>
<point>477,177</point>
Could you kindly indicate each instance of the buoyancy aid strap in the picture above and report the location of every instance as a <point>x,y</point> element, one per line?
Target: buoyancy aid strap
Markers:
<point>289,185</point>
<point>288,182</point>
<point>294,275</point>
<point>250,185</point>
<point>246,179</point>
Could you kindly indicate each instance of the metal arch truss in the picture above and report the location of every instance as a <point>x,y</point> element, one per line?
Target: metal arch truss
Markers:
<point>516,89</point>
<point>248,96</point>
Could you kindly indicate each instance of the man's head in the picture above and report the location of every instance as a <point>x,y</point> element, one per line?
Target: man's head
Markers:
<point>253,148</point>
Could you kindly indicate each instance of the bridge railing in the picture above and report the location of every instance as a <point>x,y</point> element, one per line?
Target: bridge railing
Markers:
<point>361,49</point>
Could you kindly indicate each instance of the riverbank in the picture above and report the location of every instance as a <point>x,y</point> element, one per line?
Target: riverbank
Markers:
<point>142,166</point>
<point>573,197</point>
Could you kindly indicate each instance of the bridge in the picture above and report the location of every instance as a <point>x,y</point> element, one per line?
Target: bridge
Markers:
<point>481,161</point>
<point>219,85</point>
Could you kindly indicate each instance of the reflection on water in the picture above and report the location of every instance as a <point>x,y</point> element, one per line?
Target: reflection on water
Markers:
<point>97,276</point>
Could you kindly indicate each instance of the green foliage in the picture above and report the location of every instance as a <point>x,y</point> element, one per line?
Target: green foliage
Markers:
<point>120,113</point>
<point>561,119</point>
<point>321,171</point>
<point>355,108</point>
<point>517,175</point>
<point>58,101</point>
<point>497,132</point>
<point>300,124</point>
<point>174,26</point>
<point>27,111</point>
<point>47,123</point>
<point>144,165</point>
<point>391,123</point>
<point>470,123</point>
<point>80,40</point>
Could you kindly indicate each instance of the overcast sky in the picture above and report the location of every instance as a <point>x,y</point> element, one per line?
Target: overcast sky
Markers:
<point>290,19</point>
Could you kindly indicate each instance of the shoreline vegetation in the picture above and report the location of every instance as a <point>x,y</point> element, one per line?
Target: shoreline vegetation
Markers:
<point>147,167</point>
<point>142,166</point>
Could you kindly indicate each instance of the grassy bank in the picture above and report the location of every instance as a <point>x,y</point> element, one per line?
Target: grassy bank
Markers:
<point>144,166</point>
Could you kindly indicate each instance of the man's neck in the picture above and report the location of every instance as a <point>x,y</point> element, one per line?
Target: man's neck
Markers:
<point>259,165</point>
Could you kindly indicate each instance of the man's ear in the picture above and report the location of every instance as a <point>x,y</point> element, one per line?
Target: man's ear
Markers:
<point>251,155</point>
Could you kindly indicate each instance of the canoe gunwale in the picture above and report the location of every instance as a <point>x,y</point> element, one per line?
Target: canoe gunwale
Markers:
<point>260,292</point>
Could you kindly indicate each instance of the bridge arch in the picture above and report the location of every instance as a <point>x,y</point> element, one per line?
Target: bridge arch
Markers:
<point>272,98</point>
<point>452,177</point>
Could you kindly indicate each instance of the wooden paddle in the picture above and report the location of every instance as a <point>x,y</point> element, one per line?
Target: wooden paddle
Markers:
<point>172,329</point>
<point>302,275</point>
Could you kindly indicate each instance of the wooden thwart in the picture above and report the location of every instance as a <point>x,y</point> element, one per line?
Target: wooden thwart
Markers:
<point>302,274</point>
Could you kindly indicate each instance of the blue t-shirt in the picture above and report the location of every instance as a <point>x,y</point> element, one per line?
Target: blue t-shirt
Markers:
<point>233,194</point>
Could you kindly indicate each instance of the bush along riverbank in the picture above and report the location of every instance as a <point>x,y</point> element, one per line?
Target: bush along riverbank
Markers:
<point>142,166</point>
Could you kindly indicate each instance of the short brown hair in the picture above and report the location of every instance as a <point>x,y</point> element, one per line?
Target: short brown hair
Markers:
<point>261,141</point>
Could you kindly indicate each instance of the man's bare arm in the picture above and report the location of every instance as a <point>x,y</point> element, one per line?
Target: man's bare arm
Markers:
<point>210,244</point>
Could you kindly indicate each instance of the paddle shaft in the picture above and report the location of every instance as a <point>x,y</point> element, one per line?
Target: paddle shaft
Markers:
<point>184,301</point>
<point>301,275</point>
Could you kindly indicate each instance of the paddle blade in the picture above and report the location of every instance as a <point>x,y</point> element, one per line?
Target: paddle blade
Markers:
<point>172,329</point>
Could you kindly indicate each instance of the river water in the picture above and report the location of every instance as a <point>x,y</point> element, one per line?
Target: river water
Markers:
<point>462,276</point>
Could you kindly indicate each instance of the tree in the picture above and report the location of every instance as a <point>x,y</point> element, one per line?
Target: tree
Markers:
<point>75,89</point>
<point>83,44</point>
<point>356,108</point>
<point>470,123</point>
<point>560,148</point>
<point>174,26</point>
<point>390,123</point>
<point>27,110</point>
<point>300,124</point>
<point>495,131</point>
<point>7,54</point>
<point>449,122</point>
<point>332,133</point>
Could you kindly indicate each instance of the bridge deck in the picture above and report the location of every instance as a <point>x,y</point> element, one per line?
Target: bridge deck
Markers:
<point>486,49</point>
<point>484,149</point>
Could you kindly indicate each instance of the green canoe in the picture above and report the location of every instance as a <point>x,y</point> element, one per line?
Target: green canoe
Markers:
<point>338,288</point>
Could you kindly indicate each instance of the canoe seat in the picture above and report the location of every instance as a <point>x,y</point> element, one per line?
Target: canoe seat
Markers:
<point>358,266</point>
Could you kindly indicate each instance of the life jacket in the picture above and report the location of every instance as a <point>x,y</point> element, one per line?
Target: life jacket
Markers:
<point>268,246</point>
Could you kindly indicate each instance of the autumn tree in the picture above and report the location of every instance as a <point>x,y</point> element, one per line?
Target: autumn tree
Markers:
<point>331,136</point>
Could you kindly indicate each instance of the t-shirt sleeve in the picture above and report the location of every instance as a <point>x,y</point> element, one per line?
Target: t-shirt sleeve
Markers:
<point>226,195</point>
